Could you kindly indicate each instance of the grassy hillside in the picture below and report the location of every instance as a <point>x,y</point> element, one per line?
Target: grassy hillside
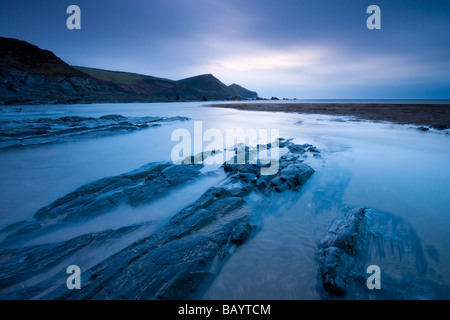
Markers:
<point>31,75</point>
<point>114,76</point>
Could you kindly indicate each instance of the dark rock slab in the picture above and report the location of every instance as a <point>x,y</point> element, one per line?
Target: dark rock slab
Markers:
<point>20,264</point>
<point>423,128</point>
<point>73,128</point>
<point>133,189</point>
<point>102,196</point>
<point>177,259</point>
<point>361,237</point>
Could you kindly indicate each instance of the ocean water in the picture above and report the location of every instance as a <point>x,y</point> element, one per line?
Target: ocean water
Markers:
<point>388,167</point>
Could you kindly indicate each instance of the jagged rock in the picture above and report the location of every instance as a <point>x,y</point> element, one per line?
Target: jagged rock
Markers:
<point>422,128</point>
<point>441,126</point>
<point>71,128</point>
<point>170,263</point>
<point>20,264</point>
<point>99,197</point>
<point>175,260</point>
<point>114,117</point>
<point>361,237</point>
<point>133,188</point>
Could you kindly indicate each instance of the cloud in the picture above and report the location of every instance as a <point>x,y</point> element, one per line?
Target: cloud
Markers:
<point>270,60</point>
<point>311,65</point>
<point>267,46</point>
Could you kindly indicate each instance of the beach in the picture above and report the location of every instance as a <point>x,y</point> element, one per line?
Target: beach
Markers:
<point>433,115</point>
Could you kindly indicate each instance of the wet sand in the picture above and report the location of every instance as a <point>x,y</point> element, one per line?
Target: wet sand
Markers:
<point>433,115</point>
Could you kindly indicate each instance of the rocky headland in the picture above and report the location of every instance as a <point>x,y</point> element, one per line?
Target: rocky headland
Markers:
<point>30,75</point>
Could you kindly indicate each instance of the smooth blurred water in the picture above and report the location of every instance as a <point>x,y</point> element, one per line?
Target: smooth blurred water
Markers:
<point>392,168</point>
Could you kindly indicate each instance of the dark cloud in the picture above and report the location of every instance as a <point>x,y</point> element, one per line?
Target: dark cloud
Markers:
<point>294,48</point>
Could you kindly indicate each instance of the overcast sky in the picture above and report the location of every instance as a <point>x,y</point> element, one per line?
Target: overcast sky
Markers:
<point>285,48</point>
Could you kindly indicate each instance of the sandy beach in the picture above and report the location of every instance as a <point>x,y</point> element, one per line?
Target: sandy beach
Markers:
<point>434,115</point>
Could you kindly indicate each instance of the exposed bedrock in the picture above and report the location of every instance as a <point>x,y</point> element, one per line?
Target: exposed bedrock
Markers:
<point>362,237</point>
<point>19,133</point>
<point>134,188</point>
<point>172,262</point>
<point>20,264</point>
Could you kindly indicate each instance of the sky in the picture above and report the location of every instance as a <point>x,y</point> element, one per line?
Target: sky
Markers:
<point>305,49</point>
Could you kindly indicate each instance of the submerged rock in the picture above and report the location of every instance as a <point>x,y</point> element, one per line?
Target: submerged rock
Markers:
<point>422,128</point>
<point>171,263</point>
<point>133,189</point>
<point>99,197</point>
<point>70,128</point>
<point>362,237</point>
<point>174,261</point>
<point>441,126</point>
<point>20,264</point>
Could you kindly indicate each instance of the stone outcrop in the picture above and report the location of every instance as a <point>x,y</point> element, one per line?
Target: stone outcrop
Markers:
<point>19,133</point>
<point>361,237</point>
<point>172,262</point>
<point>133,189</point>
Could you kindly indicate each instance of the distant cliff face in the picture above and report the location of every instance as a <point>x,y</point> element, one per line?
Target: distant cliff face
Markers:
<point>239,91</point>
<point>16,55</point>
<point>202,87</point>
<point>30,75</point>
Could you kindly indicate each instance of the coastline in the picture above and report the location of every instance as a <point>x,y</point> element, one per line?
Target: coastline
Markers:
<point>142,183</point>
<point>433,115</point>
